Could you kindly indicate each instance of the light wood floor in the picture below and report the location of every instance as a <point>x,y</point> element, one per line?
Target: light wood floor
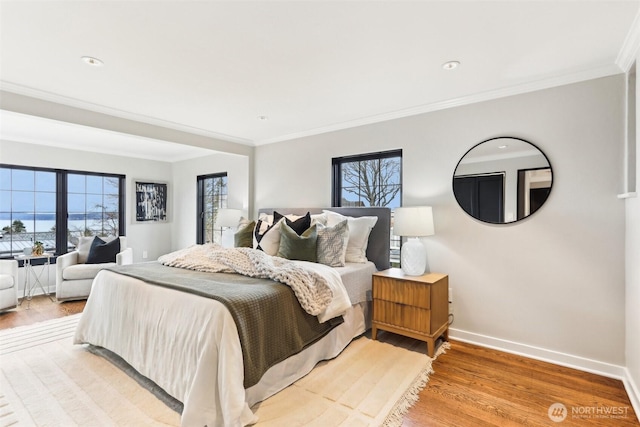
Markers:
<point>471,386</point>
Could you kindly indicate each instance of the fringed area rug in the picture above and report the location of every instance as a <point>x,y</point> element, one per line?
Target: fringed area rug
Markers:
<point>45,380</point>
<point>371,383</point>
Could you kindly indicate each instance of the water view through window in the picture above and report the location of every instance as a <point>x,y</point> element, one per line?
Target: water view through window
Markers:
<point>92,206</point>
<point>27,210</point>
<point>56,207</point>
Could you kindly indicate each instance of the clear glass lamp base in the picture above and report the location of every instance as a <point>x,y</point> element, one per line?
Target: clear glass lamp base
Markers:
<point>413,257</point>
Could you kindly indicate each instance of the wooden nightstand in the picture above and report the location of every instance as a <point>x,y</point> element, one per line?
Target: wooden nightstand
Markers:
<point>414,306</point>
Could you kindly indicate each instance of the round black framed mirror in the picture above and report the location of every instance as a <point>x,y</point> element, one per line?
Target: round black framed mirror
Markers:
<point>502,180</point>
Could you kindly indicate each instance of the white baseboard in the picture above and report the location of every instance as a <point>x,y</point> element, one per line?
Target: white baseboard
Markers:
<point>557,358</point>
<point>545,355</point>
<point>633,391</point>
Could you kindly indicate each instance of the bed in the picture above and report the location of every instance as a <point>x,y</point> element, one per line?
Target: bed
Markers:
<point>190,345</point>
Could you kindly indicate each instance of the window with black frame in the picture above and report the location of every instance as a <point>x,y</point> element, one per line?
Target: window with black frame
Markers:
<point>55,207</point>
<point>212,196</point>
<point>93,205</point>
<point>373,179</point>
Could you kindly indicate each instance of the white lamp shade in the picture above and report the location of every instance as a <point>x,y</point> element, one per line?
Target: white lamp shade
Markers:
<point>228,217</point>
<point>413,221</point>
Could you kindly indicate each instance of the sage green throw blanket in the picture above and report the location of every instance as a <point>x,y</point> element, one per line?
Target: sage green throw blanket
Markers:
<point>271,324</point>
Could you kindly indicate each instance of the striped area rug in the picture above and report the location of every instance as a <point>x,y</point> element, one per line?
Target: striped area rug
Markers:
<point>45,380</point>
<point>22,337</point>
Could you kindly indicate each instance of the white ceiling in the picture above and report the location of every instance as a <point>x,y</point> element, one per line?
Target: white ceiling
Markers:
<point>213,68</point>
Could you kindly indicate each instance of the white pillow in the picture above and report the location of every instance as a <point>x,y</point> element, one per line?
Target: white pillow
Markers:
<point>84,244</point>
<point>319,219</point>
<point>359,230</point>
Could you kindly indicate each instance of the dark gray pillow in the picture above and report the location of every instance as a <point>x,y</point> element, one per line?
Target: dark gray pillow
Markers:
<point>294,247</point>
<point>102,251</point>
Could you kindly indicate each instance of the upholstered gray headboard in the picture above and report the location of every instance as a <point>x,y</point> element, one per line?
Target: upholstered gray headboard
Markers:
<point>378,250</point>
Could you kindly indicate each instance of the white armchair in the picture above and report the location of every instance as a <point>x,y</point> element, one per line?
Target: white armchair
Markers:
<point>74,276</point>
<point>8,284</point>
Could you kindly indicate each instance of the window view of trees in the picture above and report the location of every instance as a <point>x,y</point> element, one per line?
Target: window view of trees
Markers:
<point>373,182</point>
<point>212,195</point>
<point>370,180</point>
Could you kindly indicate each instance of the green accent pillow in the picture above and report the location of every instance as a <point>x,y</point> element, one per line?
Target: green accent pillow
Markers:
<point>243,238</point>
<point>294,247</point>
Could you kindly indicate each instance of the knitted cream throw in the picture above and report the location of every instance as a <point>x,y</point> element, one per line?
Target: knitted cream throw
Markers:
<point>310,288</point>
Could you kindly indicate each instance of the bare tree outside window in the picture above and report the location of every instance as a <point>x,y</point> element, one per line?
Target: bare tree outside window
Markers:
<point>109,223</point>
<point>370,180</point>
<point>374,182</point>
<point>94,206</point>
<point>212,196</point>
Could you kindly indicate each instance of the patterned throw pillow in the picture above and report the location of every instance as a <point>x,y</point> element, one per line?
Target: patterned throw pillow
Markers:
<point>266,237</point>
<point>298,224</point>
<point>359,230</point>
<point>332,244</point>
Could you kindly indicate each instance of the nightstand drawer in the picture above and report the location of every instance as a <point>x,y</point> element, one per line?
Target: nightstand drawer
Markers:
<point>414,306</point>
<point>402,292</point>
<point>404,316</point>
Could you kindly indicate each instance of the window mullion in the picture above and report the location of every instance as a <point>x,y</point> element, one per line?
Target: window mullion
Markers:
<point>62,213</point>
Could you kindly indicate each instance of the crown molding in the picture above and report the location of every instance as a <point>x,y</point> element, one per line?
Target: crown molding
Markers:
<point>76,103</point>
<point>541,84</point>
<point>630,46</point>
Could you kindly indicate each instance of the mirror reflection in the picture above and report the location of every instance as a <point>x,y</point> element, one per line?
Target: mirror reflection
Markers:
<point>502,180</point>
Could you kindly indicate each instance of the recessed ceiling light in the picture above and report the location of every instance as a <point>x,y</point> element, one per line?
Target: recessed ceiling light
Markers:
<point>263,118</point>
<point>451,65</point>
<point>95,62</point>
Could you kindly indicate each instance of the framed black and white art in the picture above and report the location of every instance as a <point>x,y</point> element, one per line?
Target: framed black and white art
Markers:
<point>151,201</point>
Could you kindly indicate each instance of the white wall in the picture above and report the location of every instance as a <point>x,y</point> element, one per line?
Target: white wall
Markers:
<point>632,297</point>
<point>185,177</point>
<point>552,285</point>
<point>632,290</point>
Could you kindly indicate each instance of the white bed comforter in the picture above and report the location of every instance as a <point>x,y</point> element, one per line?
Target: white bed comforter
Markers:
<point>185,343</point>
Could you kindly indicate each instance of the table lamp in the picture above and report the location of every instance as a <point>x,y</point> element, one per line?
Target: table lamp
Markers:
<point>413,222</point>
<point>228,219</point>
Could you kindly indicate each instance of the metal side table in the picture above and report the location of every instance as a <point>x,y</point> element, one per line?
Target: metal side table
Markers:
<point>32,279</point>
